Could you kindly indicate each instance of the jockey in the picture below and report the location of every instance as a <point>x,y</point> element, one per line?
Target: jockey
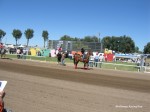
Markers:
<point>83,54</point>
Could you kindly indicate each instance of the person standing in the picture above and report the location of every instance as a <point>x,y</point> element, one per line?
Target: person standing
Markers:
<point>96,59</point>
<point>63,58</point>
<point>91,61</point>
<point>18,53</point>
<point>24,53</point>
<point>101,57</point>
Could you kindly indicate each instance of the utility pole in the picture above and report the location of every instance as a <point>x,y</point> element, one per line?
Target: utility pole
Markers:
<point>101,44</point>
<point>5,40</point>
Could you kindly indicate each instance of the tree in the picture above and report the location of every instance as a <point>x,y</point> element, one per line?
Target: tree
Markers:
<point>76,39</point>
<point>67,38</point>
<point>137,49</point>
<point>17,35</point>
<point>107,42</point>
<point>45,36</point>
<point>87,39</point>
<point>147,48</point>
<point>90,39</point>
<point>2,34</point>
<point>129,45</point>
<point>122,44</point>
<point>29,33</point>
<point>95,39</point>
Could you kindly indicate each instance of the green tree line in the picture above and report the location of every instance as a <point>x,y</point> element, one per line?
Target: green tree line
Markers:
<point>147,48</point>
<point>85,39</point>
<point>123,44</point>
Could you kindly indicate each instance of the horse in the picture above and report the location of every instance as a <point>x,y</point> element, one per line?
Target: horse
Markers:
<point>78,57</point>
<point>3,52</point>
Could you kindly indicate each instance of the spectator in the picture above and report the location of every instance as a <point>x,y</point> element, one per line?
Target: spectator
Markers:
<point>96,59</point>
<point>24,53</point>
<point>21,53</point>
<point>91,61</point>
<point>101,57</point>
<point>70,56</point>
<point>63,58</point>
<point>18,53</point>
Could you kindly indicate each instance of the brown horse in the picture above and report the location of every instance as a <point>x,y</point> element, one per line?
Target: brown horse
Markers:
<point>78,57</point>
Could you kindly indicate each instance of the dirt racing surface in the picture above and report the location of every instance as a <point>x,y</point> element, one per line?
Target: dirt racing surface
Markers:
<point>48,87</point>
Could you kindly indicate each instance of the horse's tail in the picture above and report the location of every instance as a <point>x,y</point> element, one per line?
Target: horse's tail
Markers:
<point>74,58</point>
<point>75,61</point>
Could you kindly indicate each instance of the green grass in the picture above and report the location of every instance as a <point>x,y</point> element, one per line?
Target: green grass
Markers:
<point>148,60</point>
<point>119,66</point>
<point>40,58</point>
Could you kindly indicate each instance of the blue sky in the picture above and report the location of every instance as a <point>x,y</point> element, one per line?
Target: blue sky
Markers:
<point>76,18</point>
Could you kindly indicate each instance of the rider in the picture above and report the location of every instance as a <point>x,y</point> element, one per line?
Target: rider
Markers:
<point>1,47</point>
<point>83,54</point>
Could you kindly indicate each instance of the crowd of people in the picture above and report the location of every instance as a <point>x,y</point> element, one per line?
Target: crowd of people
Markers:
<point>94,60</point>
<point>21,53</point>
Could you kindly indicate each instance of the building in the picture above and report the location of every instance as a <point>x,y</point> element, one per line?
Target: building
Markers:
<point>74,45</point>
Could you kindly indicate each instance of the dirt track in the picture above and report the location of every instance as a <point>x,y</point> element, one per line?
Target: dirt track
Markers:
<point>45,87</point>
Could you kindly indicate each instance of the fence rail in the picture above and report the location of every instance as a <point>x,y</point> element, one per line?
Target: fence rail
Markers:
<point>21,56</point>
<point>114,66</point>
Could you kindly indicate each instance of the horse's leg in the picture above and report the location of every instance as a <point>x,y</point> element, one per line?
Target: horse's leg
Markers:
<point>84,65</point>
<point>76,64</point>
<point>87,65</point>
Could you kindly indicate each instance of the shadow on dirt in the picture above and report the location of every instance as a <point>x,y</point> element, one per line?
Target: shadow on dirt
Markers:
<point>6,58</point>
<point>85,68</point>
